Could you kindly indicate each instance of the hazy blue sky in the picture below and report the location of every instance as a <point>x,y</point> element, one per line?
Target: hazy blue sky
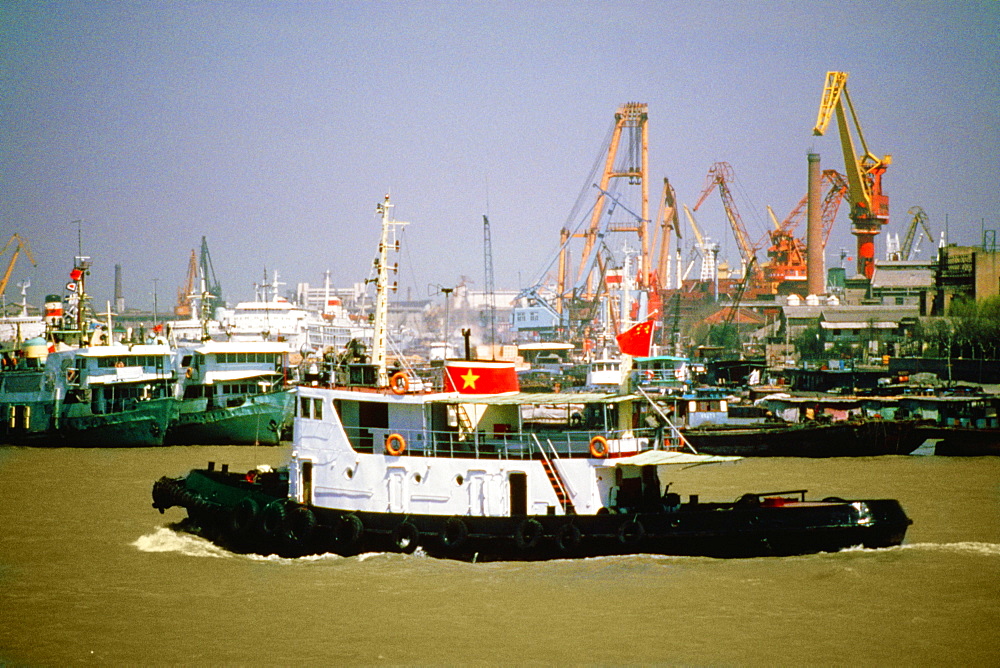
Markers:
<point>274,128</point>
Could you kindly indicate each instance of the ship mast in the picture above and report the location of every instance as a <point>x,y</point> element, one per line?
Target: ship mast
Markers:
<point>382,289</point>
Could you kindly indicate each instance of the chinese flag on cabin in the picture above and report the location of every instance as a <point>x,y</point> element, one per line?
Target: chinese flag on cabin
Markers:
<point>479,377</point>
<point>637,340</point>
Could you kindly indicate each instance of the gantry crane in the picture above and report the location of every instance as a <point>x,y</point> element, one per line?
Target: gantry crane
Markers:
<point>869,205</point>
<point>20,244</point>
<point>630,121</point>
<point>721,175</point>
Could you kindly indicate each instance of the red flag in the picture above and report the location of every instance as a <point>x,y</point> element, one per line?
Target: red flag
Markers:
<point>479,377</point>
<point>637,340</point>
<point>76,274</point>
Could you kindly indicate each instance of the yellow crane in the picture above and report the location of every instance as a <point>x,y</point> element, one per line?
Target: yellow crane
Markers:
<point>21,245</point>
<point>869,205</point>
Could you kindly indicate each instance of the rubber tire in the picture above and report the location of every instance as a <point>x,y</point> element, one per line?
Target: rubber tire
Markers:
<point>244,518</point>
<point>455,533</point>
<point>568,538</point>
<point>300,523</point>
<point>348,531</point>
<point>528,533</point>
<point>406,537</point>
<point>631,532</point>
<point>273,517</point>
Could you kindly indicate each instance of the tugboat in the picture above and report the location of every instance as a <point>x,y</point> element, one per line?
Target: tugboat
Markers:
<point>473,469</point>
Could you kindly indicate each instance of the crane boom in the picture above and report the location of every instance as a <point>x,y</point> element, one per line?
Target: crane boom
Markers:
<point>721,174</point>
<point>919,219</point>
<point>21,245</point>
<point>869,205</point>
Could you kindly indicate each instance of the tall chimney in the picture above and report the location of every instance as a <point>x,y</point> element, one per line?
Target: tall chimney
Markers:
<point>119,293</point>
<point>815,266</point>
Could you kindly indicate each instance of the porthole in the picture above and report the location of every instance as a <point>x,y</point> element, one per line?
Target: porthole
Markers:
<point>417,477</point>
<point>348,473</point>
<point>459,480</point>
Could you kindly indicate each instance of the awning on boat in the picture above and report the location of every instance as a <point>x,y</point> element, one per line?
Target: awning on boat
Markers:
<point>666,457</point>
<point>537,398</point>
<point>239,374</point>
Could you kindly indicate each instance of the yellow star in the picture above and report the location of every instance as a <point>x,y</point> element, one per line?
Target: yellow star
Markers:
<point>470,379</point>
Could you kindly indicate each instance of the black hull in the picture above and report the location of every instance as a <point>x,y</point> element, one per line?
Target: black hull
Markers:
<point>849,438</point>
<point>964,441</point>
<point>257,517</point>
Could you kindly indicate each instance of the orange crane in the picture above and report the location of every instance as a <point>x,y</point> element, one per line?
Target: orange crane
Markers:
<point>185,293</point>
<point>721,174</point>
<point>21,245</point>
<point>631,121</point>
<point>787,252</point>
<point>869,205</point>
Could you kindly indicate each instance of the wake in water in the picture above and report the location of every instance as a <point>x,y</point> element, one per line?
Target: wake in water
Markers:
<point>964,547</point>
<point>165,539</point>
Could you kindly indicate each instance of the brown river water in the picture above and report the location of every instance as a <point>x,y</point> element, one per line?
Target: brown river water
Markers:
<point>90,574</point>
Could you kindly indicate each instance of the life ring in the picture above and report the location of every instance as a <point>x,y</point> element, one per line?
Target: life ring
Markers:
<point>406,537</point>
<point>251,475</point>
<point>189,373</point>
<point>119,364</point>
<point>568,537</point>
<point>528,533</point>
<point>399,383</point>
<point>649,374</point>
<point>599,447</point>
<point>395,445</point>
<point>454,534</point>
<point>631,532</point>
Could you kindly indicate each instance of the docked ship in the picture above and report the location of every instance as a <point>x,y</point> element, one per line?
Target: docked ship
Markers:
<point>233,393</point>
<point>271,317</point>
<point>466,468</point>
<point>98,396</point>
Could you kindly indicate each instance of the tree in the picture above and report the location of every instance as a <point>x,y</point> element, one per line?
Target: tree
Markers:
<point>809,343</point>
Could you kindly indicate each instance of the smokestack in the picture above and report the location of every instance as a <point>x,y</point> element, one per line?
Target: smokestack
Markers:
<point>119,293</point>
<point>815,265</point>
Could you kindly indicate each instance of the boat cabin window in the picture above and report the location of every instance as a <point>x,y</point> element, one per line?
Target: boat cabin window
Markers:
<point>311,408</point>
<point>247,358</point>
<point>130,360</point>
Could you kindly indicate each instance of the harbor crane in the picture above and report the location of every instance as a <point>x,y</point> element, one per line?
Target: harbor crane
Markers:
<point>20,244</point>
<point>630,168</point>
<point>869,204</point>
<point>721,175</point>
<point>787,252</point>
<point>919,219</point>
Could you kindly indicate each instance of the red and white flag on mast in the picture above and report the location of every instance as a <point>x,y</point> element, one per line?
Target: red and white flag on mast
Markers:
<point>637,340</point>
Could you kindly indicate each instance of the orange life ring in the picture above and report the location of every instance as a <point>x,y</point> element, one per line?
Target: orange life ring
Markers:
<point>395,445</point>
<point>189,372</point>
<point>399,383</point>
<point>599,447</point>
<point>119,364</point>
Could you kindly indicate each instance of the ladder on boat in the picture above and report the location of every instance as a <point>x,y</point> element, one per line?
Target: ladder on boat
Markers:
<point>674,439</point>
<point>562,494</point>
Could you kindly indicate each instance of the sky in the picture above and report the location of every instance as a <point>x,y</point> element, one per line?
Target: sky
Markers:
<point>274,128</point>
